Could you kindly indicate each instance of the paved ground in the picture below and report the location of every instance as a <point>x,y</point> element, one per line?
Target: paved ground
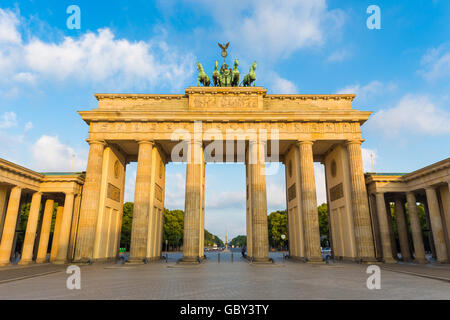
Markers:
<point>229,280</point>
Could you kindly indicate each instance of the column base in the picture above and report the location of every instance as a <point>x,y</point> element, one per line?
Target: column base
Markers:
<point>314,260</point>
<point>420,261</point>
<point>261,260</point>
<point>389,260</point>
<point>3,264</point>
<point>136,260</point>
<point>191,260</point>
<point>367,260</point>
<point>59,262</point>
<point>25,262</point>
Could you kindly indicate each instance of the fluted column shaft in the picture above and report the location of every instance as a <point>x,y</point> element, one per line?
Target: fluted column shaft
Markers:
<point>141,209</point>
<point>45,231</point>
<point>87,225</point>
<point>30,233</point>
<point>384,228</point>
<point>416,229</point>
<point>9,227</point>
<point>260,231</point>
<point>56,233</point>
<point>360,205</point>
<point>309,203</point>
<point>64,231</point>
<point>193,203</point>
<point>402,228</point>
<point>436,225</point>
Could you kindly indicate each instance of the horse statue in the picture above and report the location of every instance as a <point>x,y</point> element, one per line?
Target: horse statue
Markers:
<point>216,75</point>
<point>251,76</point>
<point>235,74</point>
<point>202,76</point>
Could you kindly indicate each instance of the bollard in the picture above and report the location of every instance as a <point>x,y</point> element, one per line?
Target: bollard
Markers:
<point>218,257</point>
<point>232,257</point>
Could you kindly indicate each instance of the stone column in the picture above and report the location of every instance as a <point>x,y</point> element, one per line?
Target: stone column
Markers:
<point>9,227</point>
<point>56,233</point>
<point>87,224</point>
<point>402,228</point>
<point>45,231</point>
<point>248,209</point>
<point>436,226</point>
<point>360,206</point>
<point>141,210</point>
<point>193,203</point>
<point>386,243</point>
<point>64,231</point>
<point>30,233</point>
<point>309,203</point>
<point>3,205</point>
<point>260,230</point>
<point>416,229</point>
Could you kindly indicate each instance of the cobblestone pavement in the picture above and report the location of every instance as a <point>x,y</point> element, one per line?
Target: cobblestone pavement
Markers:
<point>227,280</point>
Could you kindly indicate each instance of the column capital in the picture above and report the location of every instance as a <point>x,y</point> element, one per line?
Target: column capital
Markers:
<point>38,193</point>
<point>96,141</point>
<point>302,142</point>
<point>146,142</point>
<point>430,188</point>
<point>380,193</point>
<point>72,193</point>
<point>256,141</point>
<point>197,142</point>
<point>354,141</point>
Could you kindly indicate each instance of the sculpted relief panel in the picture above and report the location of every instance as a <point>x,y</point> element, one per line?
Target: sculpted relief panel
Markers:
<point>318,129</point>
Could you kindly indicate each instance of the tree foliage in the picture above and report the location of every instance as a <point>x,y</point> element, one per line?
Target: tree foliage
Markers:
<point>239,241</point>
<point>277,222</point>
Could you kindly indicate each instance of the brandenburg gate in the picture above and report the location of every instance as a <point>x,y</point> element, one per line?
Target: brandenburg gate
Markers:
<point>218,124</point>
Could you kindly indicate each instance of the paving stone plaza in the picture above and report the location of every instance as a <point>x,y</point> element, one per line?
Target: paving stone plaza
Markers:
<point>230,280</point>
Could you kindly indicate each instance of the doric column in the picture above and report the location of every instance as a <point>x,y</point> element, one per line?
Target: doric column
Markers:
<point>193,203</point>
<point>249,225</point>
<point>436,225</point>
<point>87,224</point>
<point>141,210</point>
<point>45,231</point>
<point>64,231</point>
<point>9,227</point>
<point>30,233</point>
<point>260,232</point>
<point>309,203</point>
<point>3,205</point>
<point>360,206</point>
<point>416,229</point>
<point>402,228</point>
<point>384,228</point>
<point>56,233</point>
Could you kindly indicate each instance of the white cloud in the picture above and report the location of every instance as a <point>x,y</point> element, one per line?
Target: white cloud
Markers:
<point>50,154</point>
<point>413,114</point>
<point>282,86</point>
<point>276,196</point>
<point>363,92</point>
<point>28,126</point>
<point>8,119</point>
<point>436,63</point>
<point>369,157</point>
<point>226,199</point>
<point>130,182</point>
<point>175,190</point>
<point>8,27</point>
<point>321,191</point>
<point>96,57</point>
<point>275,28</point>
<point>339,56</point>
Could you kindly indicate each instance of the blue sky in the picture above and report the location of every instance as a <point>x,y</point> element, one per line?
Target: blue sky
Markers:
<point>400,72</point>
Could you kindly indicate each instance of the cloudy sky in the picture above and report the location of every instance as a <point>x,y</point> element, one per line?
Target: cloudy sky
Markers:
<point>401,72</point>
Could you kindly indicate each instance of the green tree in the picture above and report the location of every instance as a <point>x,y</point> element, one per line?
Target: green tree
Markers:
<point>239,241</point>
<point>210,239</point>
<point>323,224</point>
<point>173,227</point>
<point>277,222</point>
<point>127,219</point>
